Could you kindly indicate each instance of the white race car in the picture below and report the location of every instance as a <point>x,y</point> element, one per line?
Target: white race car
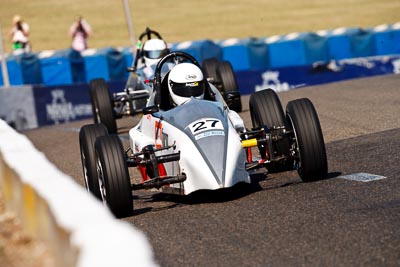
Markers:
<point>199,144</point>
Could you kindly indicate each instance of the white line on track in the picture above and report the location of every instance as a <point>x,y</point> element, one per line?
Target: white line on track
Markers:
<point>362,177</point>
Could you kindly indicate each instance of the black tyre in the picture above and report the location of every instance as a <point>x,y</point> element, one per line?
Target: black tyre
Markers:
<point>101,104</point>
<point>115,186</point>
<point>227,78</point>
<point>308,145</point>
<point>87,138</point>
<point>266,109</point>
<point>209,66</point>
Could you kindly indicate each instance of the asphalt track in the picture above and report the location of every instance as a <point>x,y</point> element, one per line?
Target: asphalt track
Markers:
<point>279,220</point>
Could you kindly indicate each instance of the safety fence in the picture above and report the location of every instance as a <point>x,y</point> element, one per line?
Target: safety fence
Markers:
<point>26,107</point>
<point>77,228</point>
<point>62,67</point>
<point>51,87</point>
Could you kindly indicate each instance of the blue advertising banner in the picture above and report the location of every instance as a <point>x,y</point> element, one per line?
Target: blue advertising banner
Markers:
<point>283,79</point>
<point>60,104</point>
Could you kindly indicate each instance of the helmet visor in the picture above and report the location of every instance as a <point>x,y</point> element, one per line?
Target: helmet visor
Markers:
<point>155,54</point>
<point>188,89</point>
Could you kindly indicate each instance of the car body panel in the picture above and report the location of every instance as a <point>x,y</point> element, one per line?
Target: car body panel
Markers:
<point>211,153</point>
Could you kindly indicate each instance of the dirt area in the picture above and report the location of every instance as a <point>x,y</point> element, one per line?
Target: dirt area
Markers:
<point>16,248</point>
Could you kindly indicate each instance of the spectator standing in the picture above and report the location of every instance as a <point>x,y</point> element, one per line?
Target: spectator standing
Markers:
<point>80,31</point>
<point>19,35</point>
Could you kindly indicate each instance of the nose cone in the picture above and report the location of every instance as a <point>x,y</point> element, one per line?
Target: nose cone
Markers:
<point>225,157</point>
<point>214,150</point>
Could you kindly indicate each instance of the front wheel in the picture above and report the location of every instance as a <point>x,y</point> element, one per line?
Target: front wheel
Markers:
<point>266,110</point>
<point>112,170</point>
<point>87,138</point>
<point>101,104</point>
<point>308,145</point>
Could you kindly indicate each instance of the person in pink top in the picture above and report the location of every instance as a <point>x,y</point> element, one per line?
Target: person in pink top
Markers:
<point>80,31</point>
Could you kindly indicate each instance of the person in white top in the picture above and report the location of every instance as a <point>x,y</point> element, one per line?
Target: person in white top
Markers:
<point>19,34</point>
<point>80,31</point>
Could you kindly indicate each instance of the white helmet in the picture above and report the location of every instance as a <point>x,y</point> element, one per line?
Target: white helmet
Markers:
<point>154,50</point>
<point>185,80</point>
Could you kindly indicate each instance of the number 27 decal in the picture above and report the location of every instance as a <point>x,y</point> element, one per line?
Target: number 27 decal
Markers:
<point>205,124</point>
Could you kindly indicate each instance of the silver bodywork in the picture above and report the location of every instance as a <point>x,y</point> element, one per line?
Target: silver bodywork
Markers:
<point>212,156</point>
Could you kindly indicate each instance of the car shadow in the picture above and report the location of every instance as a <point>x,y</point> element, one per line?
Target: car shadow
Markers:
<point>238,191</point>
<point>201,196</point>
<point>330,175</point>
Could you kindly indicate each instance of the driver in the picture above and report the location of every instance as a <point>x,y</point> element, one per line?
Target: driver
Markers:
<point>185,81</point>
<point>153,51</point>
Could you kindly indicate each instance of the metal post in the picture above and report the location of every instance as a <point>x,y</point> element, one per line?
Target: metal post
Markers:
<point>130,25</point>
<point>4,69</point>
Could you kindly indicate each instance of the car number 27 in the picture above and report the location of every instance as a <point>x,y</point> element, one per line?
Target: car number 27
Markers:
<point>205,124</point>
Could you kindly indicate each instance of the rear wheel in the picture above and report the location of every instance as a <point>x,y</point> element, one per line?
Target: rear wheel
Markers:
<point>227,77</point>
<point>308,146</point>
<point>112,170</point>
<point>87,138</point>
<point>209,66</point>
<point>101,104</point>
<point>231,92</point>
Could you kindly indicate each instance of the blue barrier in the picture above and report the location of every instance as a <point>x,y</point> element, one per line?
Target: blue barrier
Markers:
<point>292,50</point>
<point>77,67</point>
<point>56,67</point>
<point>200,49</point>
<point>243,54</point>
<point>287,51</point>
<point>31,68</point>
<point>235,51</point>
<point>116,64</point>
<point>96,65</point>
<point>107,63</point>
<point>315,48</point>
<point>258,53</point>
<point>338,44</point>
<point>361,43</point>
<point>298,49</point>
<point>14,72</point>
<point>387,40</point>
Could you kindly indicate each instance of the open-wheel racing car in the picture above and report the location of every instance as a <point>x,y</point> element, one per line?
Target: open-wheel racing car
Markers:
<point>199,143</point>
<point>150,48</point>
